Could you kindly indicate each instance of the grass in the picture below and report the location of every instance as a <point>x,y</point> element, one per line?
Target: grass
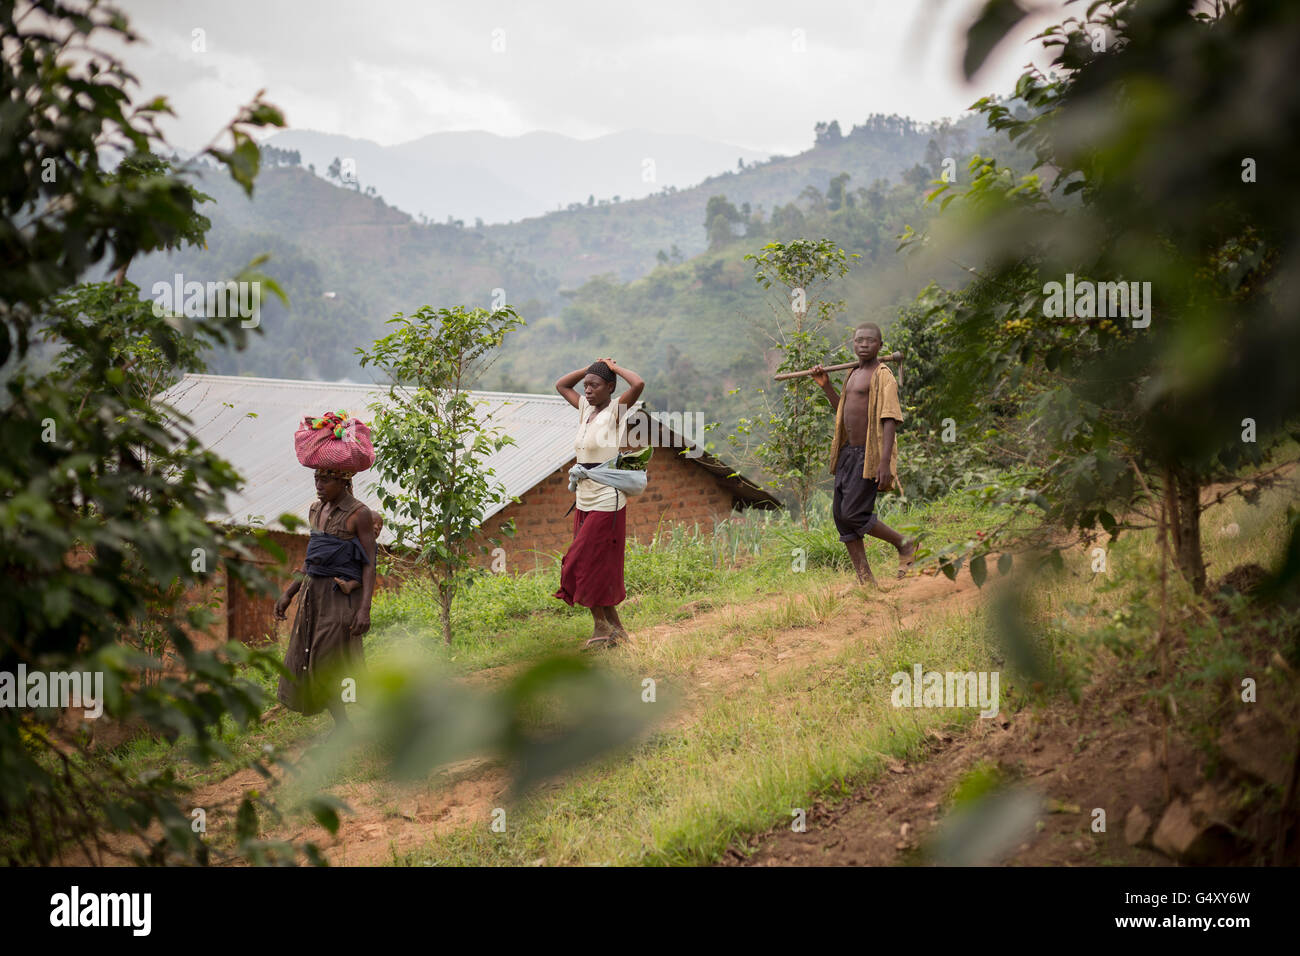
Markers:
<point>741,766</point>
<point>507,620</point>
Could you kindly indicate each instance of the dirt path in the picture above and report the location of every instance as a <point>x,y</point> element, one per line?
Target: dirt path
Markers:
<point>1099,755</point>
<point>389,822</point>
<point>1077,759</point>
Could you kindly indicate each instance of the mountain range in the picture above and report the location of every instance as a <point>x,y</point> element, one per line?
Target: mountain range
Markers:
<point>647,279</point>
<point>474,175</point>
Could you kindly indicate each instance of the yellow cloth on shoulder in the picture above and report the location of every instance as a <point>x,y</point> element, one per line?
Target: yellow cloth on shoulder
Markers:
<point>882,402</point>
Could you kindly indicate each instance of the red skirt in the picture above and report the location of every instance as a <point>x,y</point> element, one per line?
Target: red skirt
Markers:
<point>591,573</point>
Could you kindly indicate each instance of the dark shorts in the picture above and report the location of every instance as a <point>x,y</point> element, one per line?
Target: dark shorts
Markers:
<point>855,497</point>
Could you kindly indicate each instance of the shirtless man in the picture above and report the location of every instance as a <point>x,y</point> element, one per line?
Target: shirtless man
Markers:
<point>864,457</point>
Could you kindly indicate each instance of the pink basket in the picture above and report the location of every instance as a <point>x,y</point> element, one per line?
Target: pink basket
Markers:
<point>320,448</point>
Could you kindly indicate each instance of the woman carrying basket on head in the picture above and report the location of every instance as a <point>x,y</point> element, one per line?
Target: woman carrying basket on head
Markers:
<point>591,574</point>
<point>325,647</point>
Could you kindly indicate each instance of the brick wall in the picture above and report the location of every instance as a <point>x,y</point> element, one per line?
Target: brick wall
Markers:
<point>680,492</point>
<point>251,617</point>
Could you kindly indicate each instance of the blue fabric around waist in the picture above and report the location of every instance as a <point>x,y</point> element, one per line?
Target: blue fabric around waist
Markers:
<point>333,557</point>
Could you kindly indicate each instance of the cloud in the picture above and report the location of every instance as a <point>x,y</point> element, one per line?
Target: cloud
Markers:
<point>754,74</point>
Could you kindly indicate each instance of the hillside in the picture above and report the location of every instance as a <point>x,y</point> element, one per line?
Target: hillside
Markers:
<point>583,279</point>
<point>694,329</point>
<point>624,238</point>
<point>775,694</point>
<point>374,259</point>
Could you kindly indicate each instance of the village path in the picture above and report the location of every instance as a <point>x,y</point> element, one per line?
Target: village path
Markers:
<point>467,793</point>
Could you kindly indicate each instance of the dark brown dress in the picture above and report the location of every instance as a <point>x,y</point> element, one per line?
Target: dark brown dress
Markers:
<point>322,650</point>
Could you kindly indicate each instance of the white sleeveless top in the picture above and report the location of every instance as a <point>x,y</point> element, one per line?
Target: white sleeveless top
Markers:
<point>599,441</point>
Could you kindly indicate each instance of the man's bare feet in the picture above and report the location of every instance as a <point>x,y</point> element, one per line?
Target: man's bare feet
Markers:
<point>906,557</point>
<point>346,586</point>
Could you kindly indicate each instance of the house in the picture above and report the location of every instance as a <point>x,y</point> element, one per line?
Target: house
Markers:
<point>251,423</point>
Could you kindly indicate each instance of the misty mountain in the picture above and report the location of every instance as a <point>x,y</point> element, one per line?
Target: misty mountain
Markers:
<point>476,175</point>
<point>626,239</point>
<point>580,277</point>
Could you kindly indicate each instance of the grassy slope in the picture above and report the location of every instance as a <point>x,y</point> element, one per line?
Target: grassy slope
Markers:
<point>747,759</point>
<point>776,707</point>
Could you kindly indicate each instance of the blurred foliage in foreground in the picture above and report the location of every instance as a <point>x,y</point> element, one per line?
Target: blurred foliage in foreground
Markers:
<point>1164,137</point>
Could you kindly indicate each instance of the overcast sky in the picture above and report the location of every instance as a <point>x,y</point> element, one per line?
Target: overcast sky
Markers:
<point>756,74</point>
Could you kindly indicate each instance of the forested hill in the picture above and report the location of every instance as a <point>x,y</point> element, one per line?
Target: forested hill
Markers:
<point>347,261</point>
<point>625,239</point>
<point>664,276</point>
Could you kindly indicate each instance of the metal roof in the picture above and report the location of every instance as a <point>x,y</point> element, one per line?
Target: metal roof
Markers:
<point>250,422</point>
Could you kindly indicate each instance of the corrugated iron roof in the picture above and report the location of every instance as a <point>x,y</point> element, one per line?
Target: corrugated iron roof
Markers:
<point>251,422</point>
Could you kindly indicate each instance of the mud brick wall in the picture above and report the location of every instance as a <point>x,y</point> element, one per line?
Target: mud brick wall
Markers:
<point>680,493</point>
<point>251,617</point>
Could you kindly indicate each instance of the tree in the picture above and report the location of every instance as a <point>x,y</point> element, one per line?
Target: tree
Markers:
<point>816,201</point>
<point>273,156</point>
<point>933,159</point>
<point>837,194</point>
<point>787,219</point>
<point>718,218</point>
<point>1141,413</point>
<point>827,134</point>
<point>105,494</point>
<point>792,440</point>
<point>430,443</point>
<point>917,176</point>
<point>103,500</point>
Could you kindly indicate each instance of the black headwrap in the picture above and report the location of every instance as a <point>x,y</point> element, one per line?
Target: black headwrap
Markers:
<point>603,370</point>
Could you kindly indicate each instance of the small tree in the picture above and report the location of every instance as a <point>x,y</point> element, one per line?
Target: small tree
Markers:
<point>796,435</point>
<point>430,443</point>
<point>719,215</point>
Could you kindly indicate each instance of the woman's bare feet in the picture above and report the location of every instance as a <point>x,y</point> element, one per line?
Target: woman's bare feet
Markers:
<point>602,632</point>
<point>616,623</point>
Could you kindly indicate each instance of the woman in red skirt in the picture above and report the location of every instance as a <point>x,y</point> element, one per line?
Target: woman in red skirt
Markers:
<point>591,574</point>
